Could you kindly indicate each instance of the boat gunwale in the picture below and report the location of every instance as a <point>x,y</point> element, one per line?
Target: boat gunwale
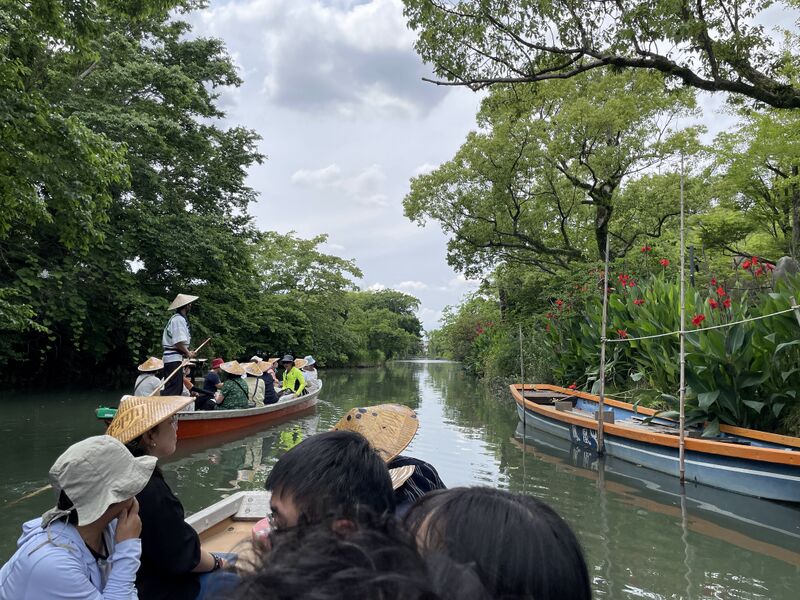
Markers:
<point>210,415</point>
<point>717,447</point>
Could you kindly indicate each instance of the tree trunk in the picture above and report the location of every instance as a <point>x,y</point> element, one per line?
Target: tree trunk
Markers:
<point>795,215</point>
<point>601,221</point>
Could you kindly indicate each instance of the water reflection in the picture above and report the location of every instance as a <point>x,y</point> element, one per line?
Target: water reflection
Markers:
<point>644,537</point>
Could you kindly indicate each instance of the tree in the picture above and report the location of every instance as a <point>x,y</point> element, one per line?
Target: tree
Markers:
<point>714,46</point>
<point>540,182</point>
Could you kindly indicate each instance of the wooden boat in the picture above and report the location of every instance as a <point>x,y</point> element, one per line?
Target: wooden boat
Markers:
<point>201,423</point>
<point>226,525</point>
<point>740,460</point>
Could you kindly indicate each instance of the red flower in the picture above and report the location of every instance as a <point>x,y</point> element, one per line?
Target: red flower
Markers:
<point>639,301</point>
<point>754,260</point>
<point>664,262</point>
<point>720,291</point>
<point>559,302</point>
<point>726,303</point>
<point>759,272</point>
<point>713,281</point>
<point>572,386</point>
<point>622,333</point>
<point>646,248</point>
<point>746,264</point>
<point>769,266</point>
<point>697,319</point>
<point>713,303</point>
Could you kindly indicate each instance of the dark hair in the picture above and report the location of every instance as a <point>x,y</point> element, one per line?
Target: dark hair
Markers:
<point>518,546</point>
<point>65,503</point>
<point>376,560</point>
<point>333,472</point>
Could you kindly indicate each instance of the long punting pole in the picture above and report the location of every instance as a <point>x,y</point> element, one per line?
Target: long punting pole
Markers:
<point>178,368</point>
<point>601,403</point>
<point>682,391</point>
<point>522,389</point>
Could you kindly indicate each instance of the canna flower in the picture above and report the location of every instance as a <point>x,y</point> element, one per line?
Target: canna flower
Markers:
<point>721,292</point>
<point>746,264</point>
<point>622,333</point>
<point>713,303</point>
<point>754,260</point>
<point>572,386</point>
<point>646,249</point>
<point>664,262</point>
<point>726,303</point>
<point>713,281</point>
<point>559,302</point>
<point>697,319</point>
<point>639,301</point>
<point>769,266</point>
<point>759,272</point>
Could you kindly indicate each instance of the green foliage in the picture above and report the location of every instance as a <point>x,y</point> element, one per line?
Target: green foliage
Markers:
<point>552,169</point>
<point>714,46</point>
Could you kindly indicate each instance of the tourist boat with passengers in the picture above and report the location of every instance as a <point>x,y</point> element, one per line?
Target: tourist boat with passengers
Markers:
<point>203,423</point>
<point>746,461</point>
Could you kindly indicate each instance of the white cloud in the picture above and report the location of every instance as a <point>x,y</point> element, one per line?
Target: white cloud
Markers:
<point>376,287</point>
<point>411,285</point>
<point>364,187</point>
<point>319,177</point>
<point>462,282</point>
<point>424,169</point>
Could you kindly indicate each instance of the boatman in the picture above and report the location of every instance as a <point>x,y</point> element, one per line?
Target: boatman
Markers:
<point>176,340</point>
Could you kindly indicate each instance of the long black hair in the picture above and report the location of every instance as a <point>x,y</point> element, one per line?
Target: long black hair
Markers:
<point>333,472</point>
<point>518,546</point>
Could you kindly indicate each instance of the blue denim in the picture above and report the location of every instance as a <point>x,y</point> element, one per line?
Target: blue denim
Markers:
<point>218,584</point>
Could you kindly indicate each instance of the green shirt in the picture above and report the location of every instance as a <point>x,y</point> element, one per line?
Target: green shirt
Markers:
<point>293,380</point>
<point>235,392</point>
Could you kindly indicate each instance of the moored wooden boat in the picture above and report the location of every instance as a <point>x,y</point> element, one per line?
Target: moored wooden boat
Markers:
<point>746,461</point>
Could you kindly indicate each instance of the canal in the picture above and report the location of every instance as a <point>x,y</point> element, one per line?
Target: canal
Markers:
<point>643,538</point>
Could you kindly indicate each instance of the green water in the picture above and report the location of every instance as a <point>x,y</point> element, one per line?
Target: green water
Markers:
<point>642,538</point>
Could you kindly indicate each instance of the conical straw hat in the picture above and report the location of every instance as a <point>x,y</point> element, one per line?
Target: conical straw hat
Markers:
<point>253,369</point>
<point>399,475</point>
<point>389,428</point>
<point>233,367</point>
<point>300,362</point>
<point>138,414</point>
<point>182,300</point>
<point>151,364</point>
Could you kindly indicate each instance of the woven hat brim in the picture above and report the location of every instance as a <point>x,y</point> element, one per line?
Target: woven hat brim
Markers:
<point>400,475</point>
<point>389,428</point>
<point>151,364</point>
<point>182,300</point>
<point>233,368</point>
<point>138,414</point>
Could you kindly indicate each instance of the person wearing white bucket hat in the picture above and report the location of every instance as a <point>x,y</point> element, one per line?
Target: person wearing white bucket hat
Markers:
<point>310,372</point>
<point>176,340</point>
<point>88,546</point>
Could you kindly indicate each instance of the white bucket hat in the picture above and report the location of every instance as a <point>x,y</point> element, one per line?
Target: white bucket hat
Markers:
<point>310,360</point>
<point>96,473</point>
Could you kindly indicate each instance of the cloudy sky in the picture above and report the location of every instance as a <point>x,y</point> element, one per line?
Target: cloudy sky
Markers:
<point>334,88</point>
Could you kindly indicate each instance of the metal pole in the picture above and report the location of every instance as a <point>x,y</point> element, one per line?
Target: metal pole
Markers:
<point>682,391</point>
<point>601,403</point>
<point>522,391</point>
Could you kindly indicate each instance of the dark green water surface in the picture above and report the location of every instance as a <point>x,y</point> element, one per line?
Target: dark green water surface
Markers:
<point>642,537</point>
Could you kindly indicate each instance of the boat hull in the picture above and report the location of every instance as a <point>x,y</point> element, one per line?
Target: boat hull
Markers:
<point>771,479</point>
<point>196,424</point>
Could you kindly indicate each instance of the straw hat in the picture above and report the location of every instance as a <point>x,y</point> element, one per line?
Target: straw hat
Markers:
<point>182,300</point>
<point>255,358</point>
<point>253,369</point>
<point>233,367</point>
<point>138,414</point>
<point>300,362</point>
<point>389,428</point>
<point>151,364</point>
<point>399,475</point>
<point>272,359</point>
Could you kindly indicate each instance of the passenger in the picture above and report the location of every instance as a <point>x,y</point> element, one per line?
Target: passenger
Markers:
<point>176,339</point>
<point>88,545</point>
<point>369,560</point>
<point>390,429</point>
<point>173,560</point>
<point>272,365</point>
<point>336,472</point>
<point>270,380</point>
<point>518,546</point>
<point>150,379</point>
<point>293,380</point>
<point>255,384</point>
<point>211,385</point>
<point>234,392</point>
<point>310,372</point>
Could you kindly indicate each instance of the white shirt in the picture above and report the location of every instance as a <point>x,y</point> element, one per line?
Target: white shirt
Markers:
<point>176,331</point>
<point>146,384</point>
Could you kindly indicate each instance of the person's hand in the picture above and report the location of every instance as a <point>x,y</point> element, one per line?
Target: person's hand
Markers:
<point>129,525</point>
<point>191,354</point>
<point>218,398</point>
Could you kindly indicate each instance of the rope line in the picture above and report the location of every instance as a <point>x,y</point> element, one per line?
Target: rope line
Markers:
<point>722,326</point>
